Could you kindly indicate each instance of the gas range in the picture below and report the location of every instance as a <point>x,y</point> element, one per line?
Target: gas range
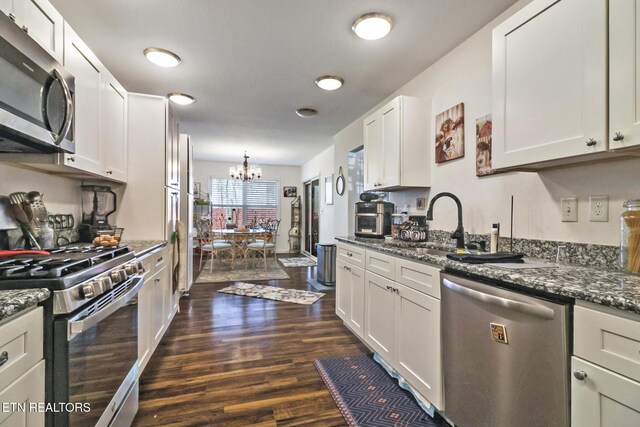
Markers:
<point>75,275</point>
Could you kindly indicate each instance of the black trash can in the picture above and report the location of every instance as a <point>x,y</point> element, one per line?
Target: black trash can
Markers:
<point>326,263</point>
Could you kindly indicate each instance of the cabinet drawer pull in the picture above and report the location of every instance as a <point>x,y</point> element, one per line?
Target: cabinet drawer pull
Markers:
<point>618,136</point>
<point>157,280</point>
<point>4,358</point>
<point>71,159</point>
<point>160,259</point>
<point>591,142</point>
<point>580,374</point>
<point>12,17</point>
<point>349,254</point>
<point>109,172</point>
<point>25,29</point>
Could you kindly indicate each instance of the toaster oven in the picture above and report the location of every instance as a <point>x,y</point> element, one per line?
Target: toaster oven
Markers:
<point>373,219</point>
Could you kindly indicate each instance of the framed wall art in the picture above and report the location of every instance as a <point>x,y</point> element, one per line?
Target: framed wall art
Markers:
<point>290,191</point>
<point>450,134</point>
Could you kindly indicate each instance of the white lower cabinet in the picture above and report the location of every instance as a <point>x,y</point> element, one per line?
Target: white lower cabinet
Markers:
<point>417,339</point>
<point>157,304</point>
<point>603,398</point>
<point>22,368</point>
<point>605,377</point>
<point>399,322</point>
<point>350,296</point>
<point>379,315</point>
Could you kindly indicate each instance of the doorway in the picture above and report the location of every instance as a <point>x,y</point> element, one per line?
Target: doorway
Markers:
<point>311,216</point>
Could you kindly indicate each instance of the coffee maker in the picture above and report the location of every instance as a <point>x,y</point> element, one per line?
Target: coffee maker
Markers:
<point>98,202</point>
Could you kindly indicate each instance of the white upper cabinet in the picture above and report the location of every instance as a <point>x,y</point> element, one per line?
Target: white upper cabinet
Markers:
<point>113,128</point>
<point>40,20</point>
<point>550,82</point>
<point>624,74</point>
<point>85,66</point>
<point>396,146</point>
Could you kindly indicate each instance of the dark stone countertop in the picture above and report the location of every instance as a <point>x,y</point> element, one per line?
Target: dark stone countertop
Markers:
<point>14,301</point>
<point>602,286</point>
<point>143,247</point>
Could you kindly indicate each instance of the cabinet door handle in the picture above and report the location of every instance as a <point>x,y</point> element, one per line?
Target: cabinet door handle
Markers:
<point>25,29</point>
<point>12,17</point>
<point>591,142</point>
<point>4,358</point>
<point>157,280</point>
<point>618,136</point>
<point>71,159</point>
<point>580,374</point>
<point>109,172</point>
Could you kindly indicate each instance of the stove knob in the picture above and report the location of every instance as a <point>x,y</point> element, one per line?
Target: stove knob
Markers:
<point>131,268</point>
<point>87,290</point>
<point>140,266</point>
<point>105,283</point>
<point>118,276</point>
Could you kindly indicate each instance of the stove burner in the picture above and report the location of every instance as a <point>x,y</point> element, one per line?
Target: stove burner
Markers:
<point>61,263</point>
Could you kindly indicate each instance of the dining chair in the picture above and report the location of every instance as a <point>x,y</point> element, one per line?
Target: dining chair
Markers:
<point>263,244</point>
<point>217,246</point>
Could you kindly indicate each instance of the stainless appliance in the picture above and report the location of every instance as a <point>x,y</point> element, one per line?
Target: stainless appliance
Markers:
<point>98,203</point>
<point>91,329</point>
<point>36,96</point>
<point>373,219</point>
<point>506,356</point>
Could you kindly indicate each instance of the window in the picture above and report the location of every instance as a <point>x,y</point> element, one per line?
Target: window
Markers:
<point>253,201</point>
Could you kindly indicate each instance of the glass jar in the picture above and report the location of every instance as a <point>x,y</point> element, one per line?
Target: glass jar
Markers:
<point>630,237</point>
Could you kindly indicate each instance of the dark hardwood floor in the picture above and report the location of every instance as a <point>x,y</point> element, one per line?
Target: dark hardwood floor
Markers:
<point>229,360</point>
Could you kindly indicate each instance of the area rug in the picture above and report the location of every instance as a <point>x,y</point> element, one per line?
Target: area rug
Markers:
<point>274,293</point>
<point>368,397</point>
<point>255,271</point>
<point>298,262</point>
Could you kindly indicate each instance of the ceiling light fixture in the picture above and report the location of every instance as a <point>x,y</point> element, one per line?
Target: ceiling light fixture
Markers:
<point>372,26</point>
<point>329,82</point>
<point>162,57</point>
<point>181,98</point>
<point>306,112</point>
<point>245,173</point>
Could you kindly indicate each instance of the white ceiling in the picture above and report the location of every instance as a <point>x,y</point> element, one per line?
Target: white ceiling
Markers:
<point>251,63</point>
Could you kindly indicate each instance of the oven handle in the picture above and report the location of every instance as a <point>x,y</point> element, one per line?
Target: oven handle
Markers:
<point>367,214</point>
<point>77,327</point>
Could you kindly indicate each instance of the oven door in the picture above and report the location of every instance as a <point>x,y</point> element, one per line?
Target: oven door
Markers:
<point>369,224</point>
<point>96,358</point>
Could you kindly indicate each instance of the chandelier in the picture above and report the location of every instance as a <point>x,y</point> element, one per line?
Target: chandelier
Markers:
<point>244,172</point>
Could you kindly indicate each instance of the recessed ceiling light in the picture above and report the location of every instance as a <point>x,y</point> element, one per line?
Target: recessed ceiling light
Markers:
<point>329,82</point>
<point>372,26</point>
<point>162,57</point>
<point>181,98</point>
<point>306,112</point>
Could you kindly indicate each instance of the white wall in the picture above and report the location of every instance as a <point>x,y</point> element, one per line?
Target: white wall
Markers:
<point>203,171</point>
<point>464,75</point>
<point>61,195</point>
<point>323,166</point>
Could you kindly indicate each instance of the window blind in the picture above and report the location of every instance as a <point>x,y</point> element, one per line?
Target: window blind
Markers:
<point>253,200</point>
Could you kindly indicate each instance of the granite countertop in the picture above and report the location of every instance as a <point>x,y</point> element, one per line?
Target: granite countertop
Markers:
<point>598,285</point>
<point>142,247</point>
<point>14,301</point>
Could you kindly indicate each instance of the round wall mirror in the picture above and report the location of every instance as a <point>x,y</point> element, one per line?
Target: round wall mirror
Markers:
<point>340,184</point>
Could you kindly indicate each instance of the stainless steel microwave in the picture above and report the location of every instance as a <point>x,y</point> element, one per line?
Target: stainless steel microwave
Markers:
<point>36,96</point>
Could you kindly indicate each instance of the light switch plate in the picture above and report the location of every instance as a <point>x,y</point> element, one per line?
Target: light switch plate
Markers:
<point>569,209</point>
<point>599,208</point>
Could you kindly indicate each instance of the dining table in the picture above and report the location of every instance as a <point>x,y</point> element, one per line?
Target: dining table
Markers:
<point>241,238</point>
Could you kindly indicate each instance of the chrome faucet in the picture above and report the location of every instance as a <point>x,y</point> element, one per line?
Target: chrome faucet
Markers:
<point>458,234</point>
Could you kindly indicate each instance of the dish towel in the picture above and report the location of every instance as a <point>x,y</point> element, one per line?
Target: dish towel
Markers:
<point>498,257</point>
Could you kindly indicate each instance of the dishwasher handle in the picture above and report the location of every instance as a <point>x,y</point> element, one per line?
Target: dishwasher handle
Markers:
<point>533,309</point>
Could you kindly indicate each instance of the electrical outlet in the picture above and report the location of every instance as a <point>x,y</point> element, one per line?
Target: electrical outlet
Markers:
<point>569,209</point>
<point>599,208</point>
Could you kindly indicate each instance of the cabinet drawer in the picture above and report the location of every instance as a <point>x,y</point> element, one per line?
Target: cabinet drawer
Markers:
<point>381,264</point>
<point>161,258</point>
<point>352,254</point>
<point>28,389</point>
<point>22,341</point>
<point>421,277</point>
<point>608,340</point>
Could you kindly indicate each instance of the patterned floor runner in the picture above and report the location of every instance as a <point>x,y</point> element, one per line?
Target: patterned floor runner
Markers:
<point>298,262</point>
<point>368,397</point>
<point>274,293</point>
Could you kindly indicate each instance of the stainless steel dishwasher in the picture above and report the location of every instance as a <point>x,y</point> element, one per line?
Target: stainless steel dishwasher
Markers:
<point>505,356</point>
